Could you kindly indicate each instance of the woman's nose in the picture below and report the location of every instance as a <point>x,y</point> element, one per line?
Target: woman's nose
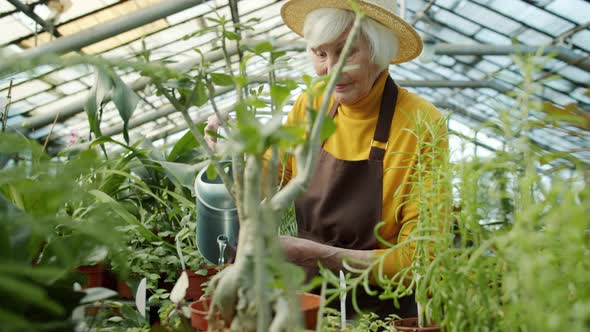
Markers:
<point>331,61</point>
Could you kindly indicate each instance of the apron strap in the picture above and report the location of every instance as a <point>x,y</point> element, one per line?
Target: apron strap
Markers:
<point>388,102</point>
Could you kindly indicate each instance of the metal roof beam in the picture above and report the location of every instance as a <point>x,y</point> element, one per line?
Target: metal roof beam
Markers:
<point>77,106</point>
<point>103,31</point>
<point>169,109</point>
<point>27,10</point>
<point>562,53</point>
<point>14,11</point>
<point>449,49</point>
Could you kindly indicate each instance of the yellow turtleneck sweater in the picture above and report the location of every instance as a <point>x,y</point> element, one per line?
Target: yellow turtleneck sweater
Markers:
<point>352,140</point>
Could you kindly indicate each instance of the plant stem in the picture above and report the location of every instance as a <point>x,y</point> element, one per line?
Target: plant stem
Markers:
<point>222,118</point>
<point>50,132</point>
<point>8,100</point>
<point>227,181</point>
<point>254,216</point>
<point>287,195</point>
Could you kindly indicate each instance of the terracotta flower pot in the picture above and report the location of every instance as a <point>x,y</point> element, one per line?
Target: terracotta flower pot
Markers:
<point>98,276</point>
<point>124,290</point>
<point>310,303</point>
<point>199,312</point>
<point>196,281</point>
<point>411,325</point>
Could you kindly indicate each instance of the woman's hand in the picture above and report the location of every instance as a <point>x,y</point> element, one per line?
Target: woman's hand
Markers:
<point>307,254</point>
<point>212,126</point>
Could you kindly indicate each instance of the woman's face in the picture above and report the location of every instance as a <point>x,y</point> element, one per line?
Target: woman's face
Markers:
<point>354,84</point>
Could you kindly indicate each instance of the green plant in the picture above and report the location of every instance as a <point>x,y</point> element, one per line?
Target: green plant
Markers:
<point>42,241</point>
<point>492,257</point>
<point>520,259</point>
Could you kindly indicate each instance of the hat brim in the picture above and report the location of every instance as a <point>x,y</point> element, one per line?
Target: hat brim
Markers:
<point>293,13</point>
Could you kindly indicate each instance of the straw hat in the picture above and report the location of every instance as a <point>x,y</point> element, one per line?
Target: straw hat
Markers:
<point>382,11</point>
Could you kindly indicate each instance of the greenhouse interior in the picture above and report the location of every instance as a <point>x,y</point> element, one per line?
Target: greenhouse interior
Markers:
<point>163,166</point>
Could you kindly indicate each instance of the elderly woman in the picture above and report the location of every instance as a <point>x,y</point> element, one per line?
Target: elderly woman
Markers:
<point>363,172</point>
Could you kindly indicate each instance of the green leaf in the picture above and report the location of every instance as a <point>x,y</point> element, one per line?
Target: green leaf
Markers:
<point>184,145</point>
<point>126,101</point>
<point>12,144</point>
<point>200,96</point>
<point>125,215</point>
<point>222,79</point>
<point>28,293</point>
<point>256,103</point>
<point>241,81</point>
<point>192,93</point>
<point>97,294</point>
<point>244,62</point>
<point>212,19</point>
<point>232,35</point>
<point>307,80</point>
<point>279,94</point>
<point>248,133</point>
<point>182,175</point>
<point>14,322</point>
<point>328,129</point>
<point>275,55</point>
<point>102,86</point>
<point>262,47</point>
<point>14,236</point>
<point>289,136</point>
<point>211,172</point>
<point>202,272</point>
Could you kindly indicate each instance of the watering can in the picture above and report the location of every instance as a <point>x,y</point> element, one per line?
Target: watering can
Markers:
<point>217,217</point>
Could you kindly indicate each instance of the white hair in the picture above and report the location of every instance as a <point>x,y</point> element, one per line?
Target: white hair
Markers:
<point>324,25</point>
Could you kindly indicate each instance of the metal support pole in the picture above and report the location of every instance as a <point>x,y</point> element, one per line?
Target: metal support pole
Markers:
<point>27,10</point>
<point>109,29</point>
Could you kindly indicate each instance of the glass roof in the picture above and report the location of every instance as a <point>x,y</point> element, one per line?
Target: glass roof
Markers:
<point>469,80</point>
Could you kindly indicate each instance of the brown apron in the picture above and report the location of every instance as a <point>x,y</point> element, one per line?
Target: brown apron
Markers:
<point>344,201</point>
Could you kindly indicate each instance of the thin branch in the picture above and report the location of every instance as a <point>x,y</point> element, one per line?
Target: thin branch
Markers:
<point>8,101</point>
<point>284,197</point>
<point>254,216</point>
<point>50,132</point>
<point>222,119</point>
<point>227,181</point>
